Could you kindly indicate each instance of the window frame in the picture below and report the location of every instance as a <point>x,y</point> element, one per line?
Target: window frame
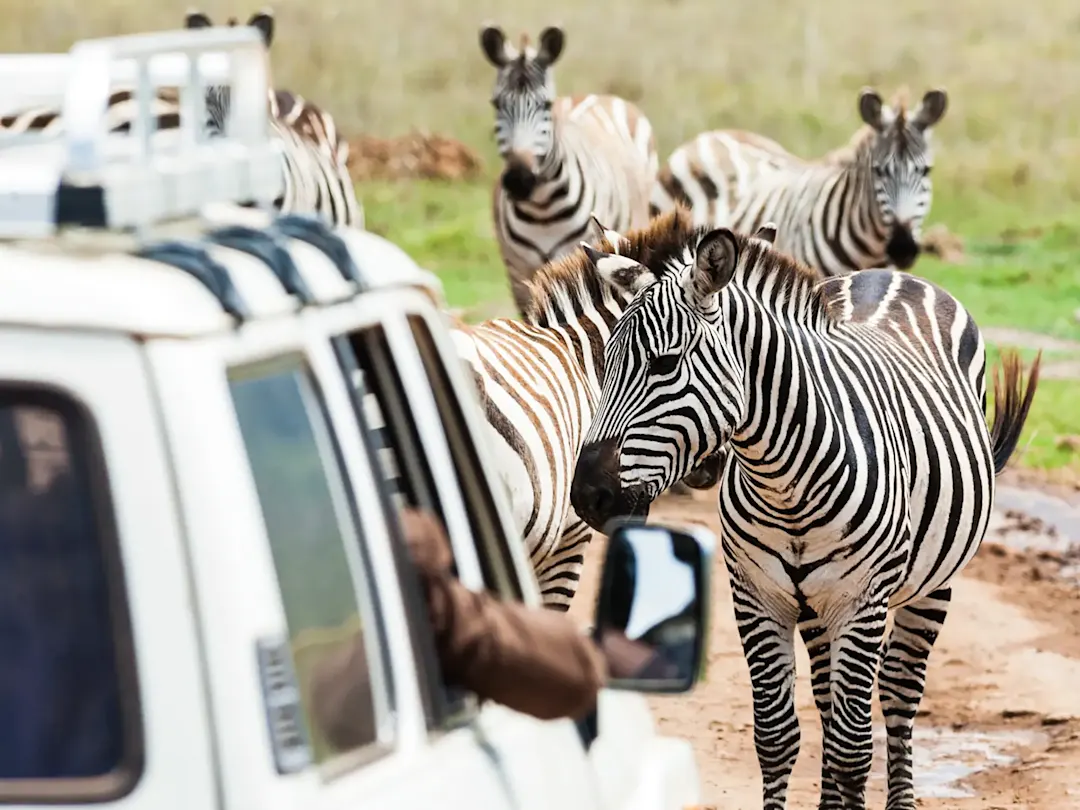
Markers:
<point>366,590</point>
<point>445,708</point>
<point>87,451</point>
<point>486,528</point>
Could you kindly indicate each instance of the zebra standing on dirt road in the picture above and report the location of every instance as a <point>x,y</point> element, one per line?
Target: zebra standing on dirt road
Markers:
<point>565,159</point>
<point>539,380</point>
<point>860,475</point>
<point>860,206</point>
<point>315,154</point>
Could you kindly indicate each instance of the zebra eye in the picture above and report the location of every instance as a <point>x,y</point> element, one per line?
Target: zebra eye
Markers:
<point>664,365</point>
<point>926,171</point>
<point>879,172</point>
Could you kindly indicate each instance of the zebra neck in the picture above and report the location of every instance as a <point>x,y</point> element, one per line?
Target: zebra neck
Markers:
<point>866,221</point>
<point>787,417</point>
<point>582,321</point>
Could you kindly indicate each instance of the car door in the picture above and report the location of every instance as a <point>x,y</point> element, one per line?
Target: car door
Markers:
<point>408,365</point>
<point>377,732</point>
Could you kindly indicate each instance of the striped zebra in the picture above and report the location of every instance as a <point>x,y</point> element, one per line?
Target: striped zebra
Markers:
<point>316,154</point>
<point>565,158</point>
<point>860,206</point>
<point>859,479</point>
<point>538,381</point>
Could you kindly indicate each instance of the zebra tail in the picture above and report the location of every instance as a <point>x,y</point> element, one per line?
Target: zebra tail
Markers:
<point>1012,401</point>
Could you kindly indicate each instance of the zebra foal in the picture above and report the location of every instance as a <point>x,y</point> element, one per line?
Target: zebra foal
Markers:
<point>565,158</point>
<point>860,206</point>
<point>859,475</point>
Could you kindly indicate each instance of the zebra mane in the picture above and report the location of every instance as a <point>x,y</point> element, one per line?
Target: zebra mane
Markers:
<point>572,283</point>
<point>759,263</point>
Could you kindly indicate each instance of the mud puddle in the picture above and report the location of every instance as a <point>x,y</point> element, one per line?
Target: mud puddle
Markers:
<point>944,758</point>
<point>1030,521</point>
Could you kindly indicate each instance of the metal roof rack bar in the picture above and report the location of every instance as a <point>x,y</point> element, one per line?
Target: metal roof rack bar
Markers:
<point>315,231</point>
<point>268,248</point>
<point>193,259</point>
<point>147,176</point>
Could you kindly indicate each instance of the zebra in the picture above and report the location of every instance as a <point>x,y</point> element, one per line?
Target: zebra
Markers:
<point>565,158</point>
<point>859,478</point>
<point>538,380</point>
<point>860,206</point>
<point>315,153</point>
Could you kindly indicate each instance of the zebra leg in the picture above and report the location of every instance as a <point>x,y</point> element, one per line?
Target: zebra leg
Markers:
<point>769,646</point>
<point>816,638</point>
<point>901,683</point>
<point>855,655</point>
<point>560,573</point>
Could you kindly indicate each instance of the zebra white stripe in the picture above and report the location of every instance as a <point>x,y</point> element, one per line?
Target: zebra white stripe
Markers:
<point>565,158</point>
<point>860,206</point>
<point>860,474</point>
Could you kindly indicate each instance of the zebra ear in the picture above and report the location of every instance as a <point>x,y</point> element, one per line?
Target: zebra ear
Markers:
<point>714,265</point>
<point>931,110</point>
<point>767,233</point>
<point>619,271</point>
<point>493,44</point>
<point>613,237</point>
<point>872,108</point>
<point>552,40</point>
<point>263,22</point>
<point>196,19</point>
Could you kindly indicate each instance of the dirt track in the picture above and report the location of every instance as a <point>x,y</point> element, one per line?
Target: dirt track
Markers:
<point>1003,692</point>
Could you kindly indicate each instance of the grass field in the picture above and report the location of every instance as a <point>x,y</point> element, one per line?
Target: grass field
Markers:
<point>1007,175</point>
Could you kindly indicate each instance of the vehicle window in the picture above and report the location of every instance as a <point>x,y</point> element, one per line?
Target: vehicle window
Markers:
<point>68,695</point>
<point>387,421</point>
<point>315,544</point>
<point>491,541</point>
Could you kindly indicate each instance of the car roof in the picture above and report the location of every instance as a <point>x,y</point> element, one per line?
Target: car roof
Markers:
<point>95,281</point>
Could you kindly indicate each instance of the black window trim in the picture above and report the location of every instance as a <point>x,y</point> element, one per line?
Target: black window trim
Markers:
<point>84,438</point>
<point>475,490</point>
<point>441,717</point>
<point>367,593</point>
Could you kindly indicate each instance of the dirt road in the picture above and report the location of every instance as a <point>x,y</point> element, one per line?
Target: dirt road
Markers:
<point>999,726</point>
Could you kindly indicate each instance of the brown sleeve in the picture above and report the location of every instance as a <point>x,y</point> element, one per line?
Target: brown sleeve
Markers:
<point>532,660</point>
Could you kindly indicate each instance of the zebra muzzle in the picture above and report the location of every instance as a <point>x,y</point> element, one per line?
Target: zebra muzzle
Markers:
<point>902,248</point>
<point>518,180</point>
<point>597,494</point>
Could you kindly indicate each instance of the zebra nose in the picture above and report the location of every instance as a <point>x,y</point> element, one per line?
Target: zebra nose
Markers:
<point>902,248</point>
<point>596,493</point>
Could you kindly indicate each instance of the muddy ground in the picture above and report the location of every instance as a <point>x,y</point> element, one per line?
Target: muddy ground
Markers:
<point>1000,722</point>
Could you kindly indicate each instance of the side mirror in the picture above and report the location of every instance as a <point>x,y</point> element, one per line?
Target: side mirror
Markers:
<point>652,617</point>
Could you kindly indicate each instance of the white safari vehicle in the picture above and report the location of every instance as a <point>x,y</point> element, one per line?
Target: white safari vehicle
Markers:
<point>194,513</point>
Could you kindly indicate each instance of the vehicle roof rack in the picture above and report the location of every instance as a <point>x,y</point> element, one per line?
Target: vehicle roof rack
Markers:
<point>89,177</point>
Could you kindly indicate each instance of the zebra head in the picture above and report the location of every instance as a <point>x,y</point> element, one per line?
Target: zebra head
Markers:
<point>901,160</point>
<point>523,96</point>
<point>218,98</point>
<point>672,392</point>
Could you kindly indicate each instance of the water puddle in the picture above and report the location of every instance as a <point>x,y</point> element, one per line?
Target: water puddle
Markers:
<point>945,758</point>
<point>1033,521</point>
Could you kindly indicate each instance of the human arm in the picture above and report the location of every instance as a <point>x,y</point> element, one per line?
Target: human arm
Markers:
<point>532,660</point>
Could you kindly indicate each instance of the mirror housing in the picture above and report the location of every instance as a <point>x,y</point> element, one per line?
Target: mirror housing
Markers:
<point>652,616</point>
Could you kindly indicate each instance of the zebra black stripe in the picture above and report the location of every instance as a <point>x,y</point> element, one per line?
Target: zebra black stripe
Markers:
<point>859,475</point>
